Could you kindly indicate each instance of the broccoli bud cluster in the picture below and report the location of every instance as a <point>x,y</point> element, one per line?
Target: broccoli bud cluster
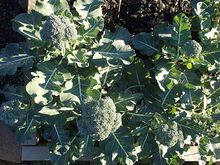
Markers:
<point>57,30</point>
<point>169,134</point>
<point>192,48</point>
<point>99,119</point>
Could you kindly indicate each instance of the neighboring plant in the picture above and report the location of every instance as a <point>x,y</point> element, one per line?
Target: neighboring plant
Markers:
<point>192,48</point>
<point>89,95</point>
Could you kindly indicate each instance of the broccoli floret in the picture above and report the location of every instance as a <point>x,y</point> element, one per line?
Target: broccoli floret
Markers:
<point>192,48</point>
<point>169,134</point>
<point>99,119</point>
<point>57,30</point>
<point>11,112</point>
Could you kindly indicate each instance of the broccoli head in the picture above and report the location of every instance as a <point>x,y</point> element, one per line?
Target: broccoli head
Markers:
<point>192,48</point>
<point>99,119</point>
<point>169,134</point>
<point>57,30</point>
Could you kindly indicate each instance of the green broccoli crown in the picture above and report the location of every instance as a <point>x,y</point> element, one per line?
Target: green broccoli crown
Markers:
<point>169,134</point>
<point>192,48</point>
<point>11,112</point>
<point>99,119</point>
<point>57,30</point>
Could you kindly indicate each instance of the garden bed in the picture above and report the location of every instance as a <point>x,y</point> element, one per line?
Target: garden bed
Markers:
<point>144,92</point>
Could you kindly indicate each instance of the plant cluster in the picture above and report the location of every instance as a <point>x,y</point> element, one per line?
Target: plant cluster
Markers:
<point>113,96</point>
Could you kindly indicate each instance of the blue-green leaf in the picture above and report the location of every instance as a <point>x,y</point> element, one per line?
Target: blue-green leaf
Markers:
<point>12,57</point>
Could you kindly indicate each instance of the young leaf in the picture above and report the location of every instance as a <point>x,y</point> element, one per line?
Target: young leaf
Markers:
<point>79,57</point>
<point>181,30</point>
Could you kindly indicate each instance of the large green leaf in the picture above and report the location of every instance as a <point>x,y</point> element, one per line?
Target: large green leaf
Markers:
<point>48,7</point>
<point>26,130</point>
<point>135,76</point>
<point>88,146</point>
<point>90,28</point>
<point>126,100</point>
<point>180,30</point>
<point>203,12</point>
<point>60,144</point>
<point>90,19</point>
<point>191,130</point>
<point>191,91</point>
<point>80,88</point>
<point>116,53</point>
<point>211,94</point>
<point>14,56</point>
<point>167,75</point>
<point>119,34</point>
<point>146,43</point>
<point>47,82</point>
<point>28,25</point>
<point>88,8</point>
<point>212,55</point>
<point>56,110</point>
<point>173,82</point>
<point>119,147</point>
<point>108,75</point>
<point>147,144</point>
<point>12,92</point>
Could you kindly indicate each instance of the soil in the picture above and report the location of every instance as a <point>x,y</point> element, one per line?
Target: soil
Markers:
<point>9,9</point>
<point>10,150</point>
<point>142,15</point>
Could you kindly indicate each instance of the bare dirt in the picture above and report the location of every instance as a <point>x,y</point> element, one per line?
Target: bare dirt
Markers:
<point>9,9</point>
<point>142,15</point>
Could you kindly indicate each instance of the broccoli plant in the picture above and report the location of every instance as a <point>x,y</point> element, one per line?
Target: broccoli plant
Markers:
<point>71,65</point>
<point>183,69</point>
